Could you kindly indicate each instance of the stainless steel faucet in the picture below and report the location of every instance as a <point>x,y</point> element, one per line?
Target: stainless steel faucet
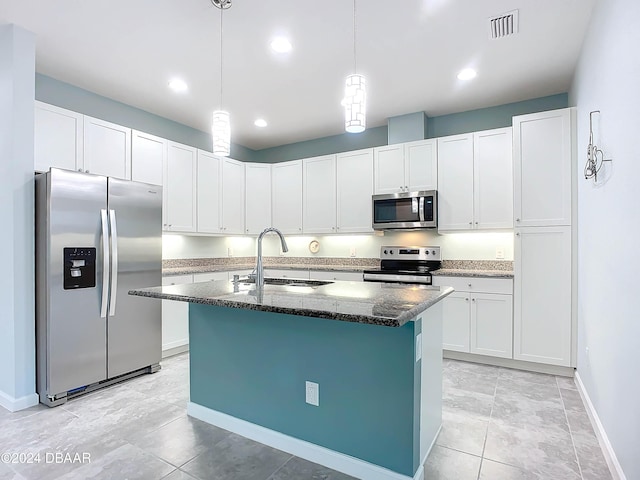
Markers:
<point>259,270</point>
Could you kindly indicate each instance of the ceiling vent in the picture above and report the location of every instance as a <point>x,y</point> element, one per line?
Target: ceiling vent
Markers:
<point>503,25</point>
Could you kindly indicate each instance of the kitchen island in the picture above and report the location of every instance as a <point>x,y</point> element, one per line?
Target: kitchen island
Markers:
<point>374,350</point>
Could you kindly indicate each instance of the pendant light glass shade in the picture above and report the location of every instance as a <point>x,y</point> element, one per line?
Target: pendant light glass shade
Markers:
<point>355,104</point>
<point>221,132</point>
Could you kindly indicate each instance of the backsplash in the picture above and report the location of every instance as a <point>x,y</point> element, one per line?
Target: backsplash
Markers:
<point>502,265</point>
<point>273,261</point>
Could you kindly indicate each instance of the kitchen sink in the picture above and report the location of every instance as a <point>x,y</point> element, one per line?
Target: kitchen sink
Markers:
<point>290,282</point>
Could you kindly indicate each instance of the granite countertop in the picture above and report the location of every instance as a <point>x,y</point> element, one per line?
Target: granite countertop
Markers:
<point>373,303</point>
<point>186,267</point>
<point>460,272</point>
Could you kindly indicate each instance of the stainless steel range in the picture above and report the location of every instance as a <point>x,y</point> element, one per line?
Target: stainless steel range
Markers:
<point>405,265</point>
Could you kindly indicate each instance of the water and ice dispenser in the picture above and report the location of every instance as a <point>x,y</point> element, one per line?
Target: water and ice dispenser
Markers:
<point>79,267</point>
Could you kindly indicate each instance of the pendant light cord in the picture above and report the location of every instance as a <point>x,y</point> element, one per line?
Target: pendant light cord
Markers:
<point>355,69</point>
<point>221,10</point>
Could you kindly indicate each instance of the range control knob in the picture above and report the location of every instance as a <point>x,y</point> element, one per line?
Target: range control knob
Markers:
<point>427,252</point>
<point>391,252</point>
<point>433,252</point>
<point>385,252</point>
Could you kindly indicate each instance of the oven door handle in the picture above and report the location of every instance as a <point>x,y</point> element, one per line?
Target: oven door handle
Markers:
<point>421,208</point>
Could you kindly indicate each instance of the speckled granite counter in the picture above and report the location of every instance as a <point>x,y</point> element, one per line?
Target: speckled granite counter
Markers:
<point>373,303</point>
<point>206,265</point>
<point>476,268</point>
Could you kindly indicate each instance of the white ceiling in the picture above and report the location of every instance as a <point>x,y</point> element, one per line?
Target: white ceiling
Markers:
<point>409,50</point>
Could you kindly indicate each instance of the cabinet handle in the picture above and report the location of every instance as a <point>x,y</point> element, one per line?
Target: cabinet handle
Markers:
<point>86,171</point>
<point>473,299</point>
<point>337,228</point>
<point>469,285</point>
<point>80,170</point>
<point>466,299</point>
<point>476,223</point>
<point>406,188</point>
<point>517,219</point>
<point>401,189</point>
<point>299,229</point>
<point>518,234</point>
<point>470,223</point>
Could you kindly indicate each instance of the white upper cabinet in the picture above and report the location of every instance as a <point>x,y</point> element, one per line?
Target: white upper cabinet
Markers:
<point>354,180</point>
<point>406,167</point>
<point>209,179</point>
<point>389,169</point>
<point>148,157</point>
<point>475,186</point>
<point>421,165</point>
<point>58,138</point>
<point>542,151</point>
<point>180,188</point>
<point>455,182</point>
<point>232,197</point>
<point>493,179</point>
<point>319,194</point>
<point>258,197</point>
<point>107,148</point>
<point>286,196</point>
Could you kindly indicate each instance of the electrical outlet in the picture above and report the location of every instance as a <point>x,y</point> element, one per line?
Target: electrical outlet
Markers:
<point>230,251</point>
<point>352,252</point>
<point>499,253</point>
<point>312,393</point>
<point>586,352</point>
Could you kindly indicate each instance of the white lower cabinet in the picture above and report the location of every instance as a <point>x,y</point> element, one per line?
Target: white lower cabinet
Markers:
<point>175,316</point>
<point>478,316</point>
<point>343,276</point>
<point>543,295</point>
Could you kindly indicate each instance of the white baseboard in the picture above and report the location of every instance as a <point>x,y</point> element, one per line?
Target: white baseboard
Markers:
<point>510,363</point>
<point>603,439</point>
<point>174,348</point>
<point>14,404</point>
<point>300,448</point>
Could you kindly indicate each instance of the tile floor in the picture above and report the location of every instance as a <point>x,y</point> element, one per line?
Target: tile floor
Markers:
<point>498,424</point>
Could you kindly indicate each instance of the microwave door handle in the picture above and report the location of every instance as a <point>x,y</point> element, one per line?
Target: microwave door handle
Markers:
<point>421,208</point>
<point>105,263</point>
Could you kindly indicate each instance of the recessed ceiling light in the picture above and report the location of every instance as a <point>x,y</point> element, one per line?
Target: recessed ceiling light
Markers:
<point>467,74</point>
<point>281,45</point>
<point>178,85</point>
<point>260,122</point>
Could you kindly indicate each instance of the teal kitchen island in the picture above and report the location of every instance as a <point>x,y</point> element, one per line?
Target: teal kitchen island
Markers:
<point>344,374</point>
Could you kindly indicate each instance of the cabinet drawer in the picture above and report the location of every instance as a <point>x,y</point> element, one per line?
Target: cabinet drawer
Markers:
<point>345,276</point>
<point>177,280</point>
<point>286,273</point>
<point>476,284</point>
<point>206,277</point>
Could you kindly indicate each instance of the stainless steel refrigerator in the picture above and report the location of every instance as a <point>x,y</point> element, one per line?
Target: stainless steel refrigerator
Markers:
<point>96,239</point>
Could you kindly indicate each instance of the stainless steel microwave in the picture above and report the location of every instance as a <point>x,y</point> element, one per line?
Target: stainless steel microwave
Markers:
<point>407,210</point>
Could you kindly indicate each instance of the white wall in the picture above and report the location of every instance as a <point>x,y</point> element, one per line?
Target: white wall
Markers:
<point>460,246</point>
<point>608,79</point>
<point>17,340</point>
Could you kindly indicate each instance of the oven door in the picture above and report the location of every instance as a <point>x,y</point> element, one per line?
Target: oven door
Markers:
<point>405,210</point>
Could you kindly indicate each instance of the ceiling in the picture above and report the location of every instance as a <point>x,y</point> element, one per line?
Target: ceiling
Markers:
<point>410,52</point>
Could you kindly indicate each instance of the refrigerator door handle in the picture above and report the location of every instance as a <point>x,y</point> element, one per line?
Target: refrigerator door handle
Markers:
<point>114,263</point>
<point>105,263</point>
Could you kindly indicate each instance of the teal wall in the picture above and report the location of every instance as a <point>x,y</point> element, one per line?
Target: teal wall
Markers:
<point>401,128</point>
<point>491,117</point>
<point>253,365</point>
<point>64,95</point>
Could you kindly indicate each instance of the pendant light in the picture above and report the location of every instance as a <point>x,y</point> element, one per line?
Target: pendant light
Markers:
<point>221,127</point>
<point>355,95</point>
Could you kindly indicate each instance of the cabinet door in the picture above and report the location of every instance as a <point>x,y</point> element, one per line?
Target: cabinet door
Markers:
<point>389,171</point>
<point>209,178</point>
<point>58,138</point>
<point>107,148</point>
<point>180,188</point>
<point>455,182</point>
<point>258,197</point>
<point>492,325</point>
<point>542,151</point>
<point>175,316</point>
<point>542,295</point>
<point>319,194</point>
<point>354,177</point>
<point>421,163</point>
<point>456,317</point>
<point>233,196</point>
<point>286,196</point>
<point>493,179</point>
<point>148,156</point>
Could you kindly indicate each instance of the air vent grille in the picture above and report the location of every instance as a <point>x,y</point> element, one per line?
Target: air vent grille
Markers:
<point>503,25</point>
